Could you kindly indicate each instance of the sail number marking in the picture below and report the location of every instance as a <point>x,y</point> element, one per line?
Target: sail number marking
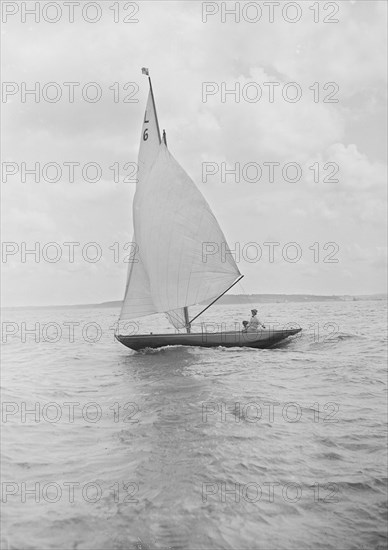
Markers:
<point>145,133</point>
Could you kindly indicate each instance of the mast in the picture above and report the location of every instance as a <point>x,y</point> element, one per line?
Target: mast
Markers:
<point>187,321</point>
<point>146,71</point>
<point>214,301</point>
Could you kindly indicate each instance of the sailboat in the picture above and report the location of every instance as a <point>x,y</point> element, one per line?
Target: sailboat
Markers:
<point>173,225</point>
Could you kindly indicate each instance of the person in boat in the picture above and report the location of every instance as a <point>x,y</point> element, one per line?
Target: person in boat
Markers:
<point>254,323</point>
<point>245,325</point>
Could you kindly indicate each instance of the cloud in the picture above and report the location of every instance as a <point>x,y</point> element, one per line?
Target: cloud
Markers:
<point>183,53</point>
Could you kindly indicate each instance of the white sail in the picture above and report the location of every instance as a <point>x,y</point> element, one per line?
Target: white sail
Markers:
<point>137,279</point>
<point>174,227</point>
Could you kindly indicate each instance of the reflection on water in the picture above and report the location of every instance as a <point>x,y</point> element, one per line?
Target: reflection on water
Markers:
<point>192,447</point>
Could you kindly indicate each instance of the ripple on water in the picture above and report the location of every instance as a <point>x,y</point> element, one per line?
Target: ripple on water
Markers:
<point>211,432</point>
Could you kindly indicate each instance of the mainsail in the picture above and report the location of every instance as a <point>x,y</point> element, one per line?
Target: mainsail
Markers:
<point>137,292</point>
<point>173,228</point>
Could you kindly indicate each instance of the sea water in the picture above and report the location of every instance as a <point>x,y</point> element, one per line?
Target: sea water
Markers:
<point>195,448</point>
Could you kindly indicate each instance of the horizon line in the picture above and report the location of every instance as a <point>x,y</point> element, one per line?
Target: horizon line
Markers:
<point>118,302</point>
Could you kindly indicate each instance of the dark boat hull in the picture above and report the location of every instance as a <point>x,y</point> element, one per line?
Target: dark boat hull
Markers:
<point>265,338</point>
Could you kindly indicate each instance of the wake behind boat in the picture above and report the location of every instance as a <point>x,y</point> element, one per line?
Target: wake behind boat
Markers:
<point>182,257</point>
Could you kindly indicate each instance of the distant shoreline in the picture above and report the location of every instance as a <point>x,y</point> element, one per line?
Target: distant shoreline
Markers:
<point>234,299</point>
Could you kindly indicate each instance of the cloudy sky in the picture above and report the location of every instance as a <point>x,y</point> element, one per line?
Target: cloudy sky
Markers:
<point>183,52</point>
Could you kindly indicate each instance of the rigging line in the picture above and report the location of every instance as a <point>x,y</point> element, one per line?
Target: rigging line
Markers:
<point>246,296</point>
<point>218,297</point>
